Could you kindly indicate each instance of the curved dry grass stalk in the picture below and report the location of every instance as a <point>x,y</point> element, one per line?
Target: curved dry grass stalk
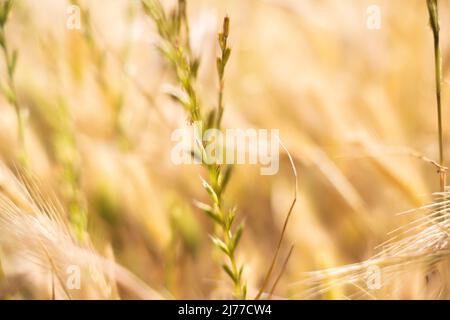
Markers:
<point>283,232</point>
<point>422,242</point>
<point>37,230</point>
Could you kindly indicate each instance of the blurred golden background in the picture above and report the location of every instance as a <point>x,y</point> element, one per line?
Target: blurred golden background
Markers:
<point>354,107</point>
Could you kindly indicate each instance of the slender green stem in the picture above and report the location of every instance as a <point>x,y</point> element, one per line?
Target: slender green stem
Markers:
<point>221,64</point>
<point>13,96</point>
<point>230,238</point>
<point>177,50</point>
<point>437,59</point>
<point>433,9</point>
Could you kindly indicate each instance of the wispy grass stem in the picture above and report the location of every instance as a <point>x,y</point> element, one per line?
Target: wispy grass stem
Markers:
<point>433,10</point>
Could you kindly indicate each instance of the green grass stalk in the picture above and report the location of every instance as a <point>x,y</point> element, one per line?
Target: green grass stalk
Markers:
<point>174,33</point>
<point>433,10</point>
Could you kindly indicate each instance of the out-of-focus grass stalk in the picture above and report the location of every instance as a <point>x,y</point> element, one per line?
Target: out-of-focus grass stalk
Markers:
<point>179,55</point>
<point>55,113</point>
<point>68,157</point>
<point>9,88</point>
<point>2,274</point>
<point>114,99</point>
<point>172,30</point>
<point>433,10</point>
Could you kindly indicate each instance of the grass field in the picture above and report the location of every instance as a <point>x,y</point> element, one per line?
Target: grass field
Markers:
<point>93,207</point>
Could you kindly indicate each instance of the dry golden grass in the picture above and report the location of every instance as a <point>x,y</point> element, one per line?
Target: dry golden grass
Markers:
<point>356,109</point>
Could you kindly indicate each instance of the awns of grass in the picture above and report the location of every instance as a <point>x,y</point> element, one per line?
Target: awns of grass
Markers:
<point>35,226</point>
<point>422,242</point>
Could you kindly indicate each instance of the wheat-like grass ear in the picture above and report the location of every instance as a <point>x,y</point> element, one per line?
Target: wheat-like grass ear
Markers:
<point>422,242</point>
<point>36,226</point>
